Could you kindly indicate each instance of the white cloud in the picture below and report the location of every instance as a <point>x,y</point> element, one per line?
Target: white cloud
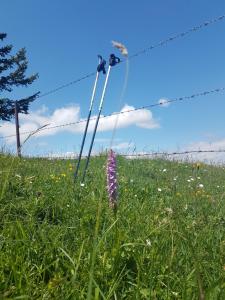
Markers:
<point>164,102</point>
<point>141,118</point>
<point>31,122</point>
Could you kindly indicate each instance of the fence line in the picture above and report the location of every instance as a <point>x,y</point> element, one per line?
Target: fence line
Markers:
<point>174,153</point>
<point>141,52</point>
<point>179,35</point>
<point>144,154</point>
<point>184,98</point>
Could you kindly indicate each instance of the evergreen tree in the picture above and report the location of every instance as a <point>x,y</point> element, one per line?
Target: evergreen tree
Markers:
<point>14,68</point>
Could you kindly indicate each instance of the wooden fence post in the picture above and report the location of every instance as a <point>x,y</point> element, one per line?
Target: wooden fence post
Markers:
<point>18,146</point>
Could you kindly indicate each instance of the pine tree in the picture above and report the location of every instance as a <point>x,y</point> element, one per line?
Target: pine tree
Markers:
<point>14,68</point>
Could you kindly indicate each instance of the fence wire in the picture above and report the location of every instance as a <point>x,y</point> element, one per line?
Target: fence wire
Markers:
<point>178,99</point>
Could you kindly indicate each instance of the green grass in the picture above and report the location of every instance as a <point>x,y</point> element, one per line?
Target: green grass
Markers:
<point>61,241</point>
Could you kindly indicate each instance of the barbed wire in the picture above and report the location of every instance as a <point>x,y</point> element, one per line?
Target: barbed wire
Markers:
<point>179,35</point>
<point>138,154</point>
<point>141,52</point>
<point>173,153</point>
<point>178,99</point>
<point>66,85</point>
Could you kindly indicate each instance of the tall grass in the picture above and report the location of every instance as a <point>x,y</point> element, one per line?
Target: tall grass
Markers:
<point>60,241</point>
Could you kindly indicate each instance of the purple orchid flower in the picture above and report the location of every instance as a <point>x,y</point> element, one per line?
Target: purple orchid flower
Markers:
<point>111,179</point>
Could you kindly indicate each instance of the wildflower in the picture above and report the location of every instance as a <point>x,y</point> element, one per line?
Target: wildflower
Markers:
<point>63,175</point>
<point>82,184</point>
<point>148,243</point>
<point>169,210</point>
<point>164,170</point>
<point>111,179</point>
<point>201,186</point>
<point>159,190</point>
<point>188,180</point>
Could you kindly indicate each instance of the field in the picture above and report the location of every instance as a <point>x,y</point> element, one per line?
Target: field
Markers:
<point>60,240</point>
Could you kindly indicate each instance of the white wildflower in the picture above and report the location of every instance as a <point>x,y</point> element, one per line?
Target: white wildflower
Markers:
<point>148,243</point>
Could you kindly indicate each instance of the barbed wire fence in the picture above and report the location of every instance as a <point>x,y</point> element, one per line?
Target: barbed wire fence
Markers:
<point>132,155</point>
<point>140,52</point>
<point>178,99</point>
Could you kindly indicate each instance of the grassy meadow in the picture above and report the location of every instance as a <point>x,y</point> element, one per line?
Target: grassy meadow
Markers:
<point>60,240</point>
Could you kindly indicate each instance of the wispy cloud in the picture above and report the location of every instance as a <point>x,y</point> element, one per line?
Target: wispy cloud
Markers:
<point>141,118</point>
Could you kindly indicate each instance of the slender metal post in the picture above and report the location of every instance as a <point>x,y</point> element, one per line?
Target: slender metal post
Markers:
<point>18,146</point>
<point>96,123</point>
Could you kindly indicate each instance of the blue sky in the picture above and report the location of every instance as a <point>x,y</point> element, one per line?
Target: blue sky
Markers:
<point>63,39</point>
